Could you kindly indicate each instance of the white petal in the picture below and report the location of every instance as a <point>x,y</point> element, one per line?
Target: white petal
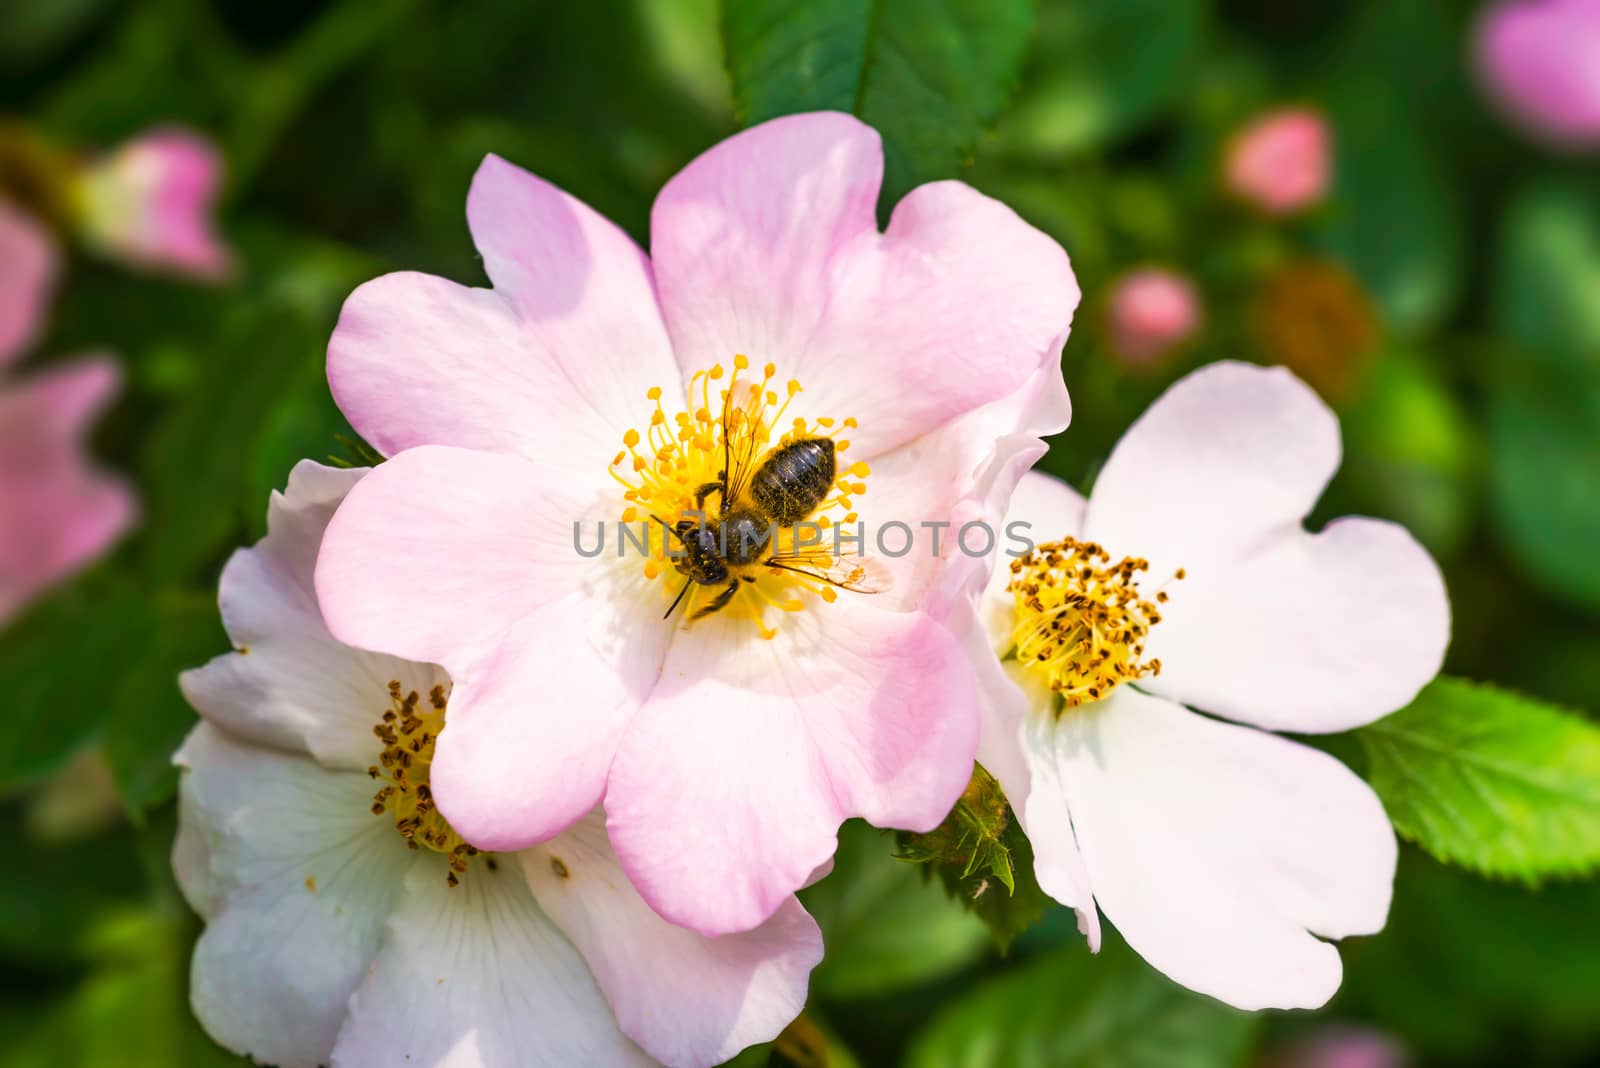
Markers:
<point>1315,632</point>
<point>1058,862</point>
<point>1043,508</point>
<point>290,684</point>
<point>301,877</point>
<point>1229,455</point>
<point>1219,851</point>
<point>689,1000</point>
<point>476,976</point>
<point>1009,703</point>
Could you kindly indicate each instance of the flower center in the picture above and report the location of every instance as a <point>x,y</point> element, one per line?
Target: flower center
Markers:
<point>739,506</point>
<point>408,731</point>
<point>1080,620</point>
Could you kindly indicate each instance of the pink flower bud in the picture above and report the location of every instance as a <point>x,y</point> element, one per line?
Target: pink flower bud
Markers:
<point>1280,161</point>
<point>1341,1047</point>
<point>1152,310</point>
<point>1541,64</point>
<point>150,203</point>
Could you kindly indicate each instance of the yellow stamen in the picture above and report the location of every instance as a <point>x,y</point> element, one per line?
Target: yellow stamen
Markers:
<point>663,466</point>
<point>1080,620</point>
<point>408,731</point>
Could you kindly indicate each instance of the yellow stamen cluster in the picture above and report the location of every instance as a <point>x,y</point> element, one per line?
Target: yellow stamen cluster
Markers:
<point>1080,620</point>
<point>662,469</point>
<point>408,732</point>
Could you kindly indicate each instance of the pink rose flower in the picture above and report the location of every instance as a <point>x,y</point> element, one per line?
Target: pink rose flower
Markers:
<point>1540,61</point>
<point>1224,854</point>
<point>1281,161</point>
<point>57,513</point>
<point>1151,312</point>
<point>592,383</point>
<point>348,924</point>
<point>150,203</point>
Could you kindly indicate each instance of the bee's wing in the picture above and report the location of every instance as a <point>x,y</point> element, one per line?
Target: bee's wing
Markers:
<point>740,449</point>
<point>859,574</point>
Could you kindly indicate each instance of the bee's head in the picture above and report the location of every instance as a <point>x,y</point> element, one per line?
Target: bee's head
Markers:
<point>702,558</point>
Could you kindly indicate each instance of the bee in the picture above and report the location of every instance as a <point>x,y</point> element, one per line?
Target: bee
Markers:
<point>730,546</point>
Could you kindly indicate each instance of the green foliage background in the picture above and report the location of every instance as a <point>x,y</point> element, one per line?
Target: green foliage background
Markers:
<point>351,129</point>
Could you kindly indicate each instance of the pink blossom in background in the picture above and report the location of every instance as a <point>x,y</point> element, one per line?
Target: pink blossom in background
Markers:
<point>28,266</point>
<point>1540,61</point>
<point>1281,162</point>
<point>1151,311</point>
<point>727,751</point>
<point>1340,1047</point>
<point>57,513</point>
<point>150,203</point>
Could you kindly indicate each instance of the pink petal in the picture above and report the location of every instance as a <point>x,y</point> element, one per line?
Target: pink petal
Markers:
<point>1312,632</point>
<point>476,976</point>
<point>290,684</point>
<point>298,878</point>
<point>150,203</point>
<point>28,267</point>
<point>466,559</point>
<point>552,364</point>
<point>768,245</point>
<point>1228,456</point>
<point>730,784</point>
<point>1218,851</point>
<point>1538,61</point>
<point>961,474</point>
<point>689,1000</point>
<point>57,514</point>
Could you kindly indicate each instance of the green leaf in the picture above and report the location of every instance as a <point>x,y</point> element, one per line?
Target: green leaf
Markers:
<point>884,926</point>
<point>1071,1009</point>
<point>1548,296</point>
<point>1544,392</point>
<point>983,860</point>
<point>1101,69</point>
<point>1493,781</point>
<point>929,76</point>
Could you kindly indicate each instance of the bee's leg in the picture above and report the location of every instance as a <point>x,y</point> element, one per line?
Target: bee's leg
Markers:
<point>707,490</point>
<point>720,603</point>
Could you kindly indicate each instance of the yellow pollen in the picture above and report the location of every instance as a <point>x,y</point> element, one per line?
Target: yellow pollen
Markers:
<point>1080,620</point>
<point>675,455</point>
<point>408,731</point>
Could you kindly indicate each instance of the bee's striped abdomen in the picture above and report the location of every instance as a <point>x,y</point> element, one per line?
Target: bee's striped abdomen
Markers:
<point>794,480</point>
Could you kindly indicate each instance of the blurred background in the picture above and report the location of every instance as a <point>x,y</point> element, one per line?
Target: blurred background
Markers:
<point>1398,199</point>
